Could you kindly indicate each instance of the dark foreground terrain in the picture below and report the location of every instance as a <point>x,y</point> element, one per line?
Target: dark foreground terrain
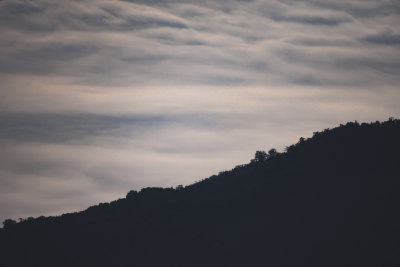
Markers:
<point>330,200</point>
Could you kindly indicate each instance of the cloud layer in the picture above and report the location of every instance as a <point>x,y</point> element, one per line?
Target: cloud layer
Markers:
<point>100,97</point>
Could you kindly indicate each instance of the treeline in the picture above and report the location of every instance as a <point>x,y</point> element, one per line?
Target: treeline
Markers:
<point>328,200</point>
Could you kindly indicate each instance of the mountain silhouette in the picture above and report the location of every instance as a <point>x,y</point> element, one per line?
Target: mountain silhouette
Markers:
<point>329,200</point>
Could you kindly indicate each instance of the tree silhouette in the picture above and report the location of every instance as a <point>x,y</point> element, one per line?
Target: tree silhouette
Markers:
<point>8,223</point>
<point>272,153</point>
<point>330,199</point>
<point>260,156</point>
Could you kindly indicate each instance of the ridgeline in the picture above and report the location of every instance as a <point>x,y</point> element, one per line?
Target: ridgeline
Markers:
<point>330,200</point>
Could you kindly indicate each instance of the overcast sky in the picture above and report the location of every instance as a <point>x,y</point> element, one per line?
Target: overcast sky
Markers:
<point>101,97</point>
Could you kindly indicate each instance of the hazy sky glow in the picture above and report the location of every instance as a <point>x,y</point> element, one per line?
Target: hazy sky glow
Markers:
<point>101,97</point>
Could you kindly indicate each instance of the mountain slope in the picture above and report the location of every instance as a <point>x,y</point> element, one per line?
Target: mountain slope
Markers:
<point>330,200</point>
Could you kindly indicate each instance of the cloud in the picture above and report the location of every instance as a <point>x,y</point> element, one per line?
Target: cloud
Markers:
<point>48,16</point>
<point>361,8</point>
<point>83,159</point>
<point>385,38</point>
<point>94,94</point>
<point>55,128</point>
<point>45,59</point>
<point>312,20</point>
<point>308,42</point>
<point>177,43</point>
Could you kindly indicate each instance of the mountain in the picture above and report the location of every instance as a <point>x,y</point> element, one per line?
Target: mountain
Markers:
<point>329,200</point>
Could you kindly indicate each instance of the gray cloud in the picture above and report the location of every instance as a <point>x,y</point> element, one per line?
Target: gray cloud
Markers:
<point>313,20</point>
<point>180,43</point>
<point>322,42</point>
<point>18,14</point>
<point>48,58</point>
<point>385,38</point>
<point>66,128</point>
<point>48,16</point>
<point>94,94</point>
<point>52,128</point>
<point>360,8</point>
<point>308,13</point>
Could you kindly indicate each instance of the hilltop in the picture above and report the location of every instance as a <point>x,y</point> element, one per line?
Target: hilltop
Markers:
<point>329,200</point>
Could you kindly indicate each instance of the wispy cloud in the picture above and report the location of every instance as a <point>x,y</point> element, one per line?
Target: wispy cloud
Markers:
<point>385,38</point>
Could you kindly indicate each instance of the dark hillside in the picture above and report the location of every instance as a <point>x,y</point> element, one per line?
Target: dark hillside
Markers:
<point>330,200</point>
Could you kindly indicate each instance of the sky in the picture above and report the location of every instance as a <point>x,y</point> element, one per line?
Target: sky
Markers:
<point>101,97</point>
